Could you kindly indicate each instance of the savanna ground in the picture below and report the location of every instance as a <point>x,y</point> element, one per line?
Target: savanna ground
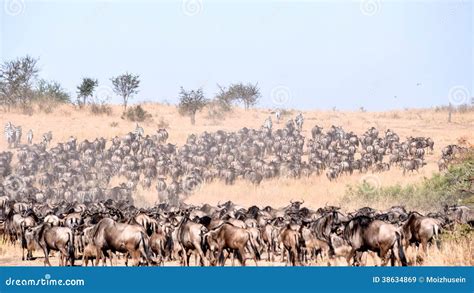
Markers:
<point>316,191</point>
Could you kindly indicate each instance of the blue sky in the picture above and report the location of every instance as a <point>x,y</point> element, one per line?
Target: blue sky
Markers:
<point>378,54</point>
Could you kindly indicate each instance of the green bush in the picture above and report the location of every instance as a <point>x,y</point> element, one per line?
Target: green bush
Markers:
<point>452,187</point>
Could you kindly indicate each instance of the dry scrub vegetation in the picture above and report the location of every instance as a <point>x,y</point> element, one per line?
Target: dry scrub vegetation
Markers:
<point>457,249</point>
<point>65,121</point>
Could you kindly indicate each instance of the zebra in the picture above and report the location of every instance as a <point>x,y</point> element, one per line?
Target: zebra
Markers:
<point>278,116</point>
<point>17,135</point>
<point>138,131</point>
<point>9,131</point>
<point>299,121</point>
<point>268,123</point>
<point>29,136</point>
<point>47,137</point>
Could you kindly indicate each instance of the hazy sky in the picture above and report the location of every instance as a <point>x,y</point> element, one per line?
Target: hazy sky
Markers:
<point>308,54</point>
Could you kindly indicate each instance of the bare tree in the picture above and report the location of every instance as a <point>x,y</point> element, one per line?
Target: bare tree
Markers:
<point>16,81</point>
<point>86,89</point>
<point>126,85</point>
<point>191,102</point>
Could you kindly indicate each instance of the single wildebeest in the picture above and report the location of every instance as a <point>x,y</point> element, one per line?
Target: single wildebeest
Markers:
<point>235,239</point>
<point>365,234</point>
<point>53,238</point>
<point>190,236</point>
<point>120,237</point>
<point>419,229</point>
<point>291,240</point>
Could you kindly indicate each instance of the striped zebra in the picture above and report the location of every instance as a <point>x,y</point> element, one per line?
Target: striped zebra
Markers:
<point>278,116</point>
<point>46,138</point>
<point>9,132</point>
<point>138,132</point>
<point>29,136</point>
<point>299,121</point>
<point>17,136</point>
<point>268,123</point>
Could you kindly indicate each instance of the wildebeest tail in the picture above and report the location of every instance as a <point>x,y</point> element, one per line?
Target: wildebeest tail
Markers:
<point>145,249</point>
<point>23,238</point>
<point>254,247</point>
<point>436,236</point>
<point>401,253</point>
<point>70,247</point>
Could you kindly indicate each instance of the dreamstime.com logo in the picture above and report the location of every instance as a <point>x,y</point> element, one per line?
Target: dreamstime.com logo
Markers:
<point>14,7</point>
<point>370,7</point>
<point>370,184</point>
<point>45,281</point>
<point>192,7</point>
<point>281,95</point>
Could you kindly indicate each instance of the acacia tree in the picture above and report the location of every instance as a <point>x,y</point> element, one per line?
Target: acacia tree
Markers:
<point>191,102</point>
<point>86,89</point>
<point>248,94</point>
<point>51,90</point>
<point>16,81</point>
<point>126,85</point>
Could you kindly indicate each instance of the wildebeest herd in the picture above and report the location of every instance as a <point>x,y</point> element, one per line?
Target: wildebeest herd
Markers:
<point>61,198</point>
<point>293,234</point>
<point>83,170</point>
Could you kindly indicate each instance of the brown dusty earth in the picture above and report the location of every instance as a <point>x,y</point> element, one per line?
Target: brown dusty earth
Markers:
<point>316,191</point>
<point>451,253</point>
<point>66,121</point>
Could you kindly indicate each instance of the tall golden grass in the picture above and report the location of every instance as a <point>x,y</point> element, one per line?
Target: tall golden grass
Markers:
<point>65,121</point>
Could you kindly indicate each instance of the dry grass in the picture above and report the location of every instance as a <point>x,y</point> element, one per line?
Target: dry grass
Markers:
<point>66,120</point>
<point>453,252</point>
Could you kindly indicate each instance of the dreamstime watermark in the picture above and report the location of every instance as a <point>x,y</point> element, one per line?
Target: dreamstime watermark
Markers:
<point>45,281</point>
<point>103,93</point>
<point>13,184</point>
<point>192,7</point>
<point>281,95</point>
<point>370,183</point>
<point>14,7</point>
<point>370,7</point>
<point>192,183</point>
<point>459,95</point>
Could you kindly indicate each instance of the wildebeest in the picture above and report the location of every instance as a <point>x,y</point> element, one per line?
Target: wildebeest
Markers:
<point>235,239</point>
<point>112,236</point>
<point>420,229</point>
<point>52,238</point>
<point>365,234</point>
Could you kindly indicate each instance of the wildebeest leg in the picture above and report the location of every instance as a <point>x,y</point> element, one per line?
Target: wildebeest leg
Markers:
<point>241,256</point>
<point>424,245</point>
<point>220,253</point>
<point>416,254</point>
<point>46,256</point>
<point>392,257</point>
<point>187,257</point>
<point>255,258</point>
<point>99,256</point>
<point>64,256</point>
<point>350,256</point>
<point>383,256</point>
<point>135,255</point>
